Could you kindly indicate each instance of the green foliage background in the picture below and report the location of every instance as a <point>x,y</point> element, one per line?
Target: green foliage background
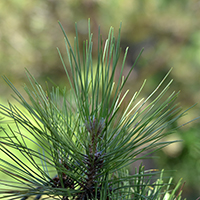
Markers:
<point>168,30</point>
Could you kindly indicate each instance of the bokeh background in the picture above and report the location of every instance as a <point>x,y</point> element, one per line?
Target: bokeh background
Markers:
<point>168,30</point>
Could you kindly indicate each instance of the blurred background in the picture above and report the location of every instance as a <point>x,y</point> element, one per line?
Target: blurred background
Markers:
<point>168,30</point>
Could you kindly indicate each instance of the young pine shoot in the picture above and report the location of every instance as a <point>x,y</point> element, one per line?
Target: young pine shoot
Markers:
<point>77,144</point>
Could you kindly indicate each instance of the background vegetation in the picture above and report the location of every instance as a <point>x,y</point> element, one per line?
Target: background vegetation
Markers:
<point>168,30</point>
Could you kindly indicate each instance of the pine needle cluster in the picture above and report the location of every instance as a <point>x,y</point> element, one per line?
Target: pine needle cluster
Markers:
<point>77,143</point>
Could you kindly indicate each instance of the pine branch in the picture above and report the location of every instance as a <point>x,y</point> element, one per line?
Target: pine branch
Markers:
<point>81,137</point>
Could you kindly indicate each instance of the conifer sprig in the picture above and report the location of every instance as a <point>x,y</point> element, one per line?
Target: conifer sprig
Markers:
<point>77,144</point>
